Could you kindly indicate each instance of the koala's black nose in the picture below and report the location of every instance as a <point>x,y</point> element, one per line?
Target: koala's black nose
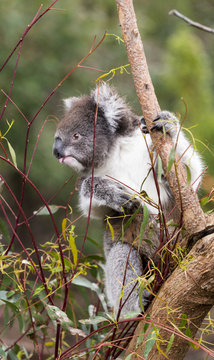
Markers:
<point>58,148</point>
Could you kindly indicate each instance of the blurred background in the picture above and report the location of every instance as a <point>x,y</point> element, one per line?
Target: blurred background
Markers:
<point>180,60</point>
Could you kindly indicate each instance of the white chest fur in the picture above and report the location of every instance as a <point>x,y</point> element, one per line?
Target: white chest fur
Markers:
<point>130,163</point>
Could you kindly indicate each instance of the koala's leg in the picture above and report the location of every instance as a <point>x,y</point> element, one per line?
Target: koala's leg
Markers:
<point>107,194</point>
<point>121,277</point>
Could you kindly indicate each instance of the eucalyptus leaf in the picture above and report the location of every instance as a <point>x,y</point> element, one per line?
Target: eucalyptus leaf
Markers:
<point>93,321</point>
<point>143,225</point>
<point>3,296</point>
<point>169,345</point>
<point>44,210</point>
<point>12,153</point>
<point>150,343</point>
<point>81,281</point>
<point>204,200</point>
<point>188,171</point>
<point>160,168</point>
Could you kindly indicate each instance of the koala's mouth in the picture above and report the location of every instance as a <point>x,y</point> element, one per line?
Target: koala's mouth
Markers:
<point>72,162</point>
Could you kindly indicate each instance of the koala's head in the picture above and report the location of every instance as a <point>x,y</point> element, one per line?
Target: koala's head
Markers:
<point>74,137</point>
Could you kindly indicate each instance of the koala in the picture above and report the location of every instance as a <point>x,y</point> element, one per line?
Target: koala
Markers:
<point>110,147</point>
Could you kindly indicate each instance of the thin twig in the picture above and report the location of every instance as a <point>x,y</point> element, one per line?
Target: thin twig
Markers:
<point>191,22</point>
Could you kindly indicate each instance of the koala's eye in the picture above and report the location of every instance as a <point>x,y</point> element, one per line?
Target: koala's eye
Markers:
<point>76,136</point>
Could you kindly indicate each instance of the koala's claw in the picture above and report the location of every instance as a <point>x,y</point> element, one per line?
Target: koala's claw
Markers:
<point>165,122</point>
<point>122,201</point>
<point>143,126</point>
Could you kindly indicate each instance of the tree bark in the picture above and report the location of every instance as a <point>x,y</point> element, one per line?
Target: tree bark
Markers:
<point>190,289</point>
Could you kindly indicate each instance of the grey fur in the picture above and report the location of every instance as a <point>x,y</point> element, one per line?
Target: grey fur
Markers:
<point>118,152</point>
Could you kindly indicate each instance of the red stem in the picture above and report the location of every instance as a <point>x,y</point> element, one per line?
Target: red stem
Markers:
<point>33,22</point>
<point>12,83</point>
<point>42,277</point>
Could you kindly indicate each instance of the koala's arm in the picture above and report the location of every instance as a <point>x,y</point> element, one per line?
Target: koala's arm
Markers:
<point>167,122</point>
<point>108,195</point>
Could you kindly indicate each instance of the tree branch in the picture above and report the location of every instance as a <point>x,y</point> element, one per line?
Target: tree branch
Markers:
<point>191,22</point>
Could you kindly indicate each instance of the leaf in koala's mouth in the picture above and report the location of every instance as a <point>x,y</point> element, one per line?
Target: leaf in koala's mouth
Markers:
<point>72,162</point>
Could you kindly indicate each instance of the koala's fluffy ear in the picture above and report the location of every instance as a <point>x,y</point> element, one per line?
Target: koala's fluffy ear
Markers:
<point>70,102</point>
<point>113,106</point>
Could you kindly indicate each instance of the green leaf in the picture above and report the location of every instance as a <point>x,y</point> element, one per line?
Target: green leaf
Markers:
<point>143,225</point>
<point>9,127</point>
<point>4,230</point>
<point>21,322</point>
<point>131,314</point>
<point>44,210</point>
<point>110,228</point>
<point>150,343</point>
<point>39,290</point>
<point>188,332</point>
<point>64,223</point>
<point>171,159</point>
<point>12,153</point>
<point>56,314</point>
<point>188,171</point>
<point>169,345</point>
<point>3,296</point>
<point>73,248</point>
<point>205,200</point>
<point>81,281</point>
<point>13,307</point>
<point>183,322</point>
<point>140,294</point>
<point>12,355</point>
<point>151,279</point>
<point>160,168</point>
<point>140,337</point>
<point>93,321</point>
<point>3,354</point>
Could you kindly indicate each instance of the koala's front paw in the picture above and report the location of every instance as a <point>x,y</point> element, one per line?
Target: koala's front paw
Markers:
<point>111,194</point>
<point>123,201</point>
<point>117,197</point>
<point>166,122</point>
